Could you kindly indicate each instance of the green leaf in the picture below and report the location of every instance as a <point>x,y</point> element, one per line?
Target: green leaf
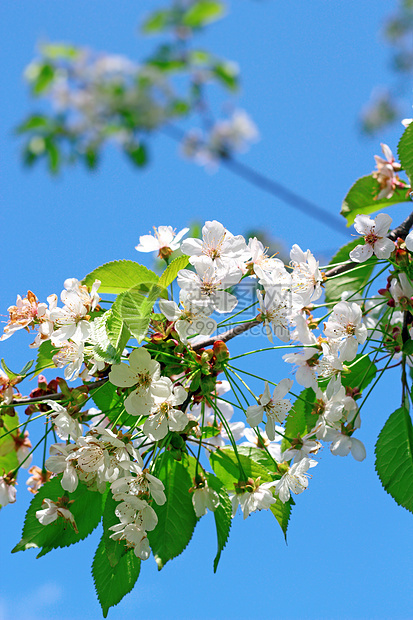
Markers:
<point>103,349</point>
<point>362,372</point>
<point>176,518</point>
<point>36,121</point>
<point>408,347</point>
<point>112,583</point>
<point>225,465</point>
<point>222,516</point>
<point>117,331</point>
<point>202,13</point>
<point>282,513</point>
<point>9,373</point>
<point>300,420</point>
<point>172,269</point>
<point>91,158</point>
<point>115,568</point>
<point>394,458</point>
<point>405,150</point>
<point>44,78</point>
<point>137,154</point>
<point>8,455</point>
<point>156,22</point>
<point>120,276</point>
<point>45,357</point>
<point>259,455</point>
<point>227,73</point>
<point>360,200</point>
<point>53,155</point>
<point>107,399</point>
<point>13,375</point>
<point>135,310</point>
<point>352,280</point>
<point>86,508</point>
<point>60,51</point>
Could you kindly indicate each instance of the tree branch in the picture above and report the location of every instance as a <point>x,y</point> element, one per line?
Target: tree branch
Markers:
<point>53,396</point>
<point>228,335</point>
<point>400,231</point>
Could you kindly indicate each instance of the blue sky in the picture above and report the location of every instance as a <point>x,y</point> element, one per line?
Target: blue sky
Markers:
<point>307,68</point>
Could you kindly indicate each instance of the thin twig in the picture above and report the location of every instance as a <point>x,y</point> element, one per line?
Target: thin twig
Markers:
<point>228,335</point>
<point>54,396</point>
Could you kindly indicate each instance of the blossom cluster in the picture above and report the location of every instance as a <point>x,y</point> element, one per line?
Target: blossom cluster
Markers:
<point>69,328</point>
<point>163,403</point>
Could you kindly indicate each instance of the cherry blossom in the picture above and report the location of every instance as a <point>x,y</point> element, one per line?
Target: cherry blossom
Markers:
<point>24,315</point>
<point>275,407</point>
<point>7,491</point>
<point>256,496</point>
<point>209,283</point>
<point>260,440</point>
<point>164,241</point>
<point>164,416</point>
<point>203,498</point>
<point>385,173</point>
<point>295,479</point>
<point>218,244</point>
<point>52,511</point>
<point>143,373</point>
<point>306,276</point>
<point>346,326</point>
<point>194,317</point>
<point>375,237</point>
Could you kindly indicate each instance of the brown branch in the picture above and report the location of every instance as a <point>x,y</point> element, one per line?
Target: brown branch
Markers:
<point>399,232</point>
<point>228,335</point>
<point>53,396</point>
<point>403,230</point>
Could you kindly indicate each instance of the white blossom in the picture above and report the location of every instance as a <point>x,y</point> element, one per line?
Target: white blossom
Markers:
<point>164,416</point>
<point>345,325</point>
<point>209,283</point>
<point>218,244</point>
<point>259,498</point>
<point>143,373</point>
<point>375,237</point>
<point>164,241</point>
<point>52,511</point>
<point>204,497</point>
<point>7,492</point>
<point>262,441</point>
<point>194,317</point>
<point>275,407</point>
<point>295,479</point>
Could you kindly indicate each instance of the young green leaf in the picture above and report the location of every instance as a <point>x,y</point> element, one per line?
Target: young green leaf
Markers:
<point>352,280</point>
<point>121,275</point>
<point>8,455</point>
<point>103,348</point>
<point>203,12</point>
<point>156,22</point>
<point>300,419</point>
<point>405,151</point>
<point>225,465</point>
<point>394,457</point>
<point>45,357</point>
<point>135,310</point>
<point>361,199</point>
<point>222,516</point>
<point>115,568</point>
<point>117,331</point>
<point>86,508</point>
<point>362,372</point>
<point>176,518</point>
<point>171,271</point>
<point>282,513</point>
